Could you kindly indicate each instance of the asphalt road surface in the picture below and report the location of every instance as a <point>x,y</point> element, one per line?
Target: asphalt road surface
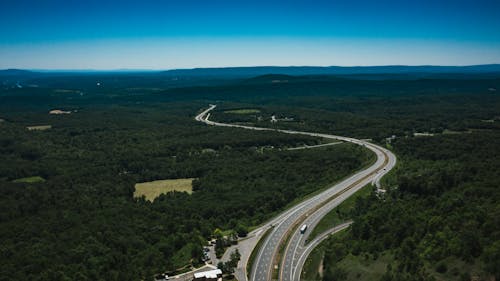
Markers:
<point>269,264</point>
<point>311,245</point>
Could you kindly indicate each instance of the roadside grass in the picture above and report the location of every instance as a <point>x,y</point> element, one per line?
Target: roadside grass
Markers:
<point>312,266</point>
<point>34,179</point>
<point>314,261</point>
<point>340,213</point>
<point>153,189</point>
<point>364,268</point>
<point>243,111</point>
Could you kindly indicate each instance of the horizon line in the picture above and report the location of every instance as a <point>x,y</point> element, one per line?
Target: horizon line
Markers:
<point>243,66</point>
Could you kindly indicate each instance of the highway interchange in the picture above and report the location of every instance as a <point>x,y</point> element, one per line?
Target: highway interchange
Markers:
<point>270,263</point>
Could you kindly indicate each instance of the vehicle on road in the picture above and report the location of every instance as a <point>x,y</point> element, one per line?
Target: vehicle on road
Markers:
<point>303,229</point>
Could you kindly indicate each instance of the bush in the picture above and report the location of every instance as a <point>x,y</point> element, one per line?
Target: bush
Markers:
<point>241,230</point>
<point>441,267</point>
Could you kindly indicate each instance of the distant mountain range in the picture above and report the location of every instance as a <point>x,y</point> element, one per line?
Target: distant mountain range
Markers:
<point>284,70</point>
<point>15,72</point>
<point>332,70</point>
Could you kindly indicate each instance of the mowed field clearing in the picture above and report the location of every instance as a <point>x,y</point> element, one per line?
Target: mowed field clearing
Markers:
<point>33,179</point>
<point>153,189</point>
<point>243,111</point>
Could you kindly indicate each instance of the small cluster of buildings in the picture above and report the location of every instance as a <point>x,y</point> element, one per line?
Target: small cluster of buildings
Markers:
<point>58,112</point>
<point>286,119</point>
<point>210,275</point>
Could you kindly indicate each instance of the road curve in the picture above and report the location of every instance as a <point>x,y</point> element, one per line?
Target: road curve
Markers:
<point>314,243</point>
<point>310,211</point>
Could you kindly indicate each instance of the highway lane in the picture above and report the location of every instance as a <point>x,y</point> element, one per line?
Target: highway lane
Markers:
<point>313,244</point>
<point>290,265</point>
<point>310,210</point>
<point>313,146</point>
<point>297,241</point>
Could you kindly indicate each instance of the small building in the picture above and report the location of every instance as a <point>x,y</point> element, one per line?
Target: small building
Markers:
<point>58,111</point>
<point>211,275</point>
<point>161,277</point>
<point>390,139</point>
<point>39,128</point>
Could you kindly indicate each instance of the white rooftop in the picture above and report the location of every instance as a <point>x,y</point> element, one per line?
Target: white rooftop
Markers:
<point>211,274</point>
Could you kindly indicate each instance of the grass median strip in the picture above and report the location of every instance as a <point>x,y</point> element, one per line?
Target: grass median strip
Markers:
<point>340,213</point>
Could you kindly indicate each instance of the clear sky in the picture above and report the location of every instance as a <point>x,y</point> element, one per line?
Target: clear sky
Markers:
<point>90,34</point>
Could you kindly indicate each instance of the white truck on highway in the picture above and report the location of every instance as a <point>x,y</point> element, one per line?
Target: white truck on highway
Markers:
<point>303,229</point>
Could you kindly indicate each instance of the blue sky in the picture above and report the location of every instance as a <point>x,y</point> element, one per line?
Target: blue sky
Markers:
<point>70,34</point>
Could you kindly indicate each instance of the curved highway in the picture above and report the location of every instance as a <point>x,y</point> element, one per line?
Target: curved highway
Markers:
<point>314,243</point>
<point>271,263</point>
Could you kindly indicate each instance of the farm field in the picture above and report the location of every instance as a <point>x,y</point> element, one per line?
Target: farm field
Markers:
<point>243,111</point>
<point>151,190</point>
<point>33,179</point>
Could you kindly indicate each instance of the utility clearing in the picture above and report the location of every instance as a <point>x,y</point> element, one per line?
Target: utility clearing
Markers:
<point>33,179</point>
<point>153,189</point>
<point>243,111</point>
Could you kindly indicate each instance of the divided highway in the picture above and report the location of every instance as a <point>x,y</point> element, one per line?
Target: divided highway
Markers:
<point>271,263</point>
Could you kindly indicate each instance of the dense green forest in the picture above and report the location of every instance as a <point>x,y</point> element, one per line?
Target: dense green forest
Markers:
<point>78,220</point>
<point>440,219</point>
<point>82,222</point>
<point>371,109</point>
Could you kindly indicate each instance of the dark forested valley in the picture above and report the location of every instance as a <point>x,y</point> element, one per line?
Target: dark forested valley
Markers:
<point>77,217</point>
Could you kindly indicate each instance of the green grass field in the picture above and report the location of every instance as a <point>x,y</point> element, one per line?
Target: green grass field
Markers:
<point>243,111</point>
<point>33,179</point>
<point>364,268</point>
<point>153,189</point>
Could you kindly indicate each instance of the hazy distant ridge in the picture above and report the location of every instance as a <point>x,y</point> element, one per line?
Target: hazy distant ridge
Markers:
<point>284,70</point>
<point>331,70</point>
